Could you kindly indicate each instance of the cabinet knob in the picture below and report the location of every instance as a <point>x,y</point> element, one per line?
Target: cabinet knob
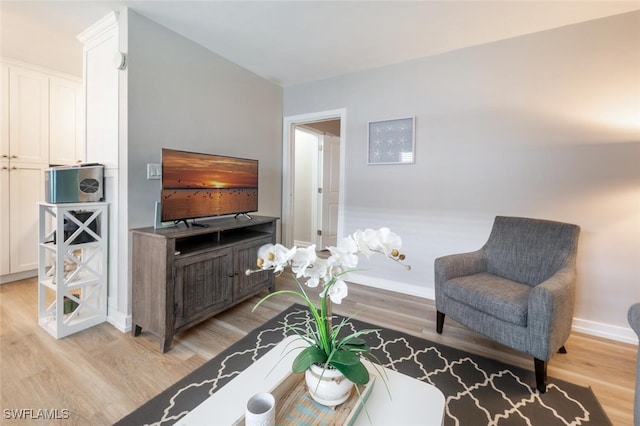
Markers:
<point>14,156</point>
<point>5,156</point>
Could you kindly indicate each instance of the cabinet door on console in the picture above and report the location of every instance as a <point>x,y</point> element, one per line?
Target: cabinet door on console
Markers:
<point>246,256</point>
<point>202,284</point>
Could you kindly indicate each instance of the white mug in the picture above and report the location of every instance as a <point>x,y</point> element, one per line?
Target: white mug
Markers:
<point>260,410</point>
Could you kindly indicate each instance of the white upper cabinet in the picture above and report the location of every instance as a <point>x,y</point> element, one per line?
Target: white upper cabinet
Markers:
<point>4,112</point>
<point>28,116</point>
<point>66,108</point>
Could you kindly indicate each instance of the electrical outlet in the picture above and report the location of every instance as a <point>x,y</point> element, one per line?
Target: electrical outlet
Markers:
<point>154,171</point>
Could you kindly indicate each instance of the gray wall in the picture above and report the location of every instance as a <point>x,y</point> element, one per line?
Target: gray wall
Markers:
<point>183,96</point>
<point>544,125</point>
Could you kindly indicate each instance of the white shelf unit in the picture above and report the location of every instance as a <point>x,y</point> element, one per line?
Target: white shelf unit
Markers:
<point>72,266</point>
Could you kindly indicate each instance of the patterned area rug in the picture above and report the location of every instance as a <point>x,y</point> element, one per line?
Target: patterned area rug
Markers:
<point>478,390</point>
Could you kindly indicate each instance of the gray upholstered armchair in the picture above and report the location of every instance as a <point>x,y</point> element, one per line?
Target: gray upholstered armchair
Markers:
<point>634,320</point>
<point>518,289</point>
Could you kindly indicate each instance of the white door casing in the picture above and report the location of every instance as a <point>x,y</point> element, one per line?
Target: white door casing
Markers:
<point>288,176</point>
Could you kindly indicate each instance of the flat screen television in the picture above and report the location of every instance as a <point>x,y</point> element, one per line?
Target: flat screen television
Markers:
<point>197,185</point>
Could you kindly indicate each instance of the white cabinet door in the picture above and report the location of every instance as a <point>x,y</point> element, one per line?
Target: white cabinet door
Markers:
<point>28,115</point>
<point>4,218</point>
<point>26,189</point>
<point>4,112</point>
<point>66,141</point>
<point>4,170</point>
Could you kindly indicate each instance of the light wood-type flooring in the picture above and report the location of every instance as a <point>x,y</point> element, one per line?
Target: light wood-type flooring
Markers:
<point>101,374</point>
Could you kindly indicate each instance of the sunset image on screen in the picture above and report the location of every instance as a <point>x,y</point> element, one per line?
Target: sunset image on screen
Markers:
<point>199,185</point>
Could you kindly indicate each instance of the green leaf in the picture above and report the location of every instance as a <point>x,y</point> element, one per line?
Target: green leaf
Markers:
<point>308,356</point>
<point>356,341</point>
<point>357,373</point>
<point>345,357</point>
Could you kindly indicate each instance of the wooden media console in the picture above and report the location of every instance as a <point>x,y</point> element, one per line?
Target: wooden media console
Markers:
<point>182,276</point>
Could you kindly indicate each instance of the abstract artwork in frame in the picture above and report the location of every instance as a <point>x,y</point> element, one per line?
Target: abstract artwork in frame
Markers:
<point>391,141</point>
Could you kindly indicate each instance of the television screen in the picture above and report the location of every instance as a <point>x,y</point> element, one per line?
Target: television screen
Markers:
<point>198,185</point>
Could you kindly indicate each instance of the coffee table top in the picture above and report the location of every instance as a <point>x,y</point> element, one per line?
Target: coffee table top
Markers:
<point>412,402</point>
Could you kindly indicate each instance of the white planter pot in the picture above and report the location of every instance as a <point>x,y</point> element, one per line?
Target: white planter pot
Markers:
<point>333,389</point>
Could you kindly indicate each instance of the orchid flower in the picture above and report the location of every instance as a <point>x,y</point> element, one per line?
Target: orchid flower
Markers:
<point>364,240</point>
<point>390,242</point>
<point>303,259</point>
<point>317,272</point>
<point>330,275</point>
<point>305,263</point>
<point>275,257</point>
<point>337,291</point>
<point>346,254</point>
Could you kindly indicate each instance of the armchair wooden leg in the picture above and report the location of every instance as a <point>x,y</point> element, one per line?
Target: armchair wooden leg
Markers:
<point>541,374</point>
<point>439,321</point>
<point>562,350</point>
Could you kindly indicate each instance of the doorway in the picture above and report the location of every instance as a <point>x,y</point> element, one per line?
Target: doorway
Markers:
<point>313,179</point>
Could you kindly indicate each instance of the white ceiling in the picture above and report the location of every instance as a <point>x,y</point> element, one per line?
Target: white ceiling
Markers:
<point>291,42</point>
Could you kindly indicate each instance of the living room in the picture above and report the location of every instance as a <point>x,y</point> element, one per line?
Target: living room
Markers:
<point>540,125</point>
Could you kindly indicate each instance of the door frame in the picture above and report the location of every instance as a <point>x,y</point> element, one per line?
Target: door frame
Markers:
<point>288,175</point>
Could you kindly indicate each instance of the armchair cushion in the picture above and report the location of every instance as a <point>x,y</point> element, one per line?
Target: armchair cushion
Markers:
<point>499,297</point>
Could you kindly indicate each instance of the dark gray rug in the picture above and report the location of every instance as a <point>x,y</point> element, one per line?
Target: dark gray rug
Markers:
<point>478,390</point>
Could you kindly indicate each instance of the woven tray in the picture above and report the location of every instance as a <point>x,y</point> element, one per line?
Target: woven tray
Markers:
<point>294,405</point>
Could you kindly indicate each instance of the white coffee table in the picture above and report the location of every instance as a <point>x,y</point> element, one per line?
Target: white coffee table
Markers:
<point>412,402</point>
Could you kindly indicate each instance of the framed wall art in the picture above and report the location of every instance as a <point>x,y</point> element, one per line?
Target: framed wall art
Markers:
<point>391,141</point>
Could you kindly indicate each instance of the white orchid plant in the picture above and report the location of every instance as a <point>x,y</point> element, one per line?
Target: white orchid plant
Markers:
<point>325,346</point>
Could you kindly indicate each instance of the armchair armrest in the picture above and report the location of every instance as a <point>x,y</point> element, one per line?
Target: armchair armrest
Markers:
<point>459,265</point>
<point>550,314</point>
<point>634,317</point>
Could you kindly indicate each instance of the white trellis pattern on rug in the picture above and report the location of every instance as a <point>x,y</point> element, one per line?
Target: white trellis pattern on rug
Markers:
<point>475,387</point>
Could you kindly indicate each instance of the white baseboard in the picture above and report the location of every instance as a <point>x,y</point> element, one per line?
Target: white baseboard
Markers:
<point>607,331</point>
<point>119,320</point>
<point>9,278</point>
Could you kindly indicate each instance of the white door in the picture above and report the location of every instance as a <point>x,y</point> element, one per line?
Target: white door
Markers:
<point>330,193</point>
